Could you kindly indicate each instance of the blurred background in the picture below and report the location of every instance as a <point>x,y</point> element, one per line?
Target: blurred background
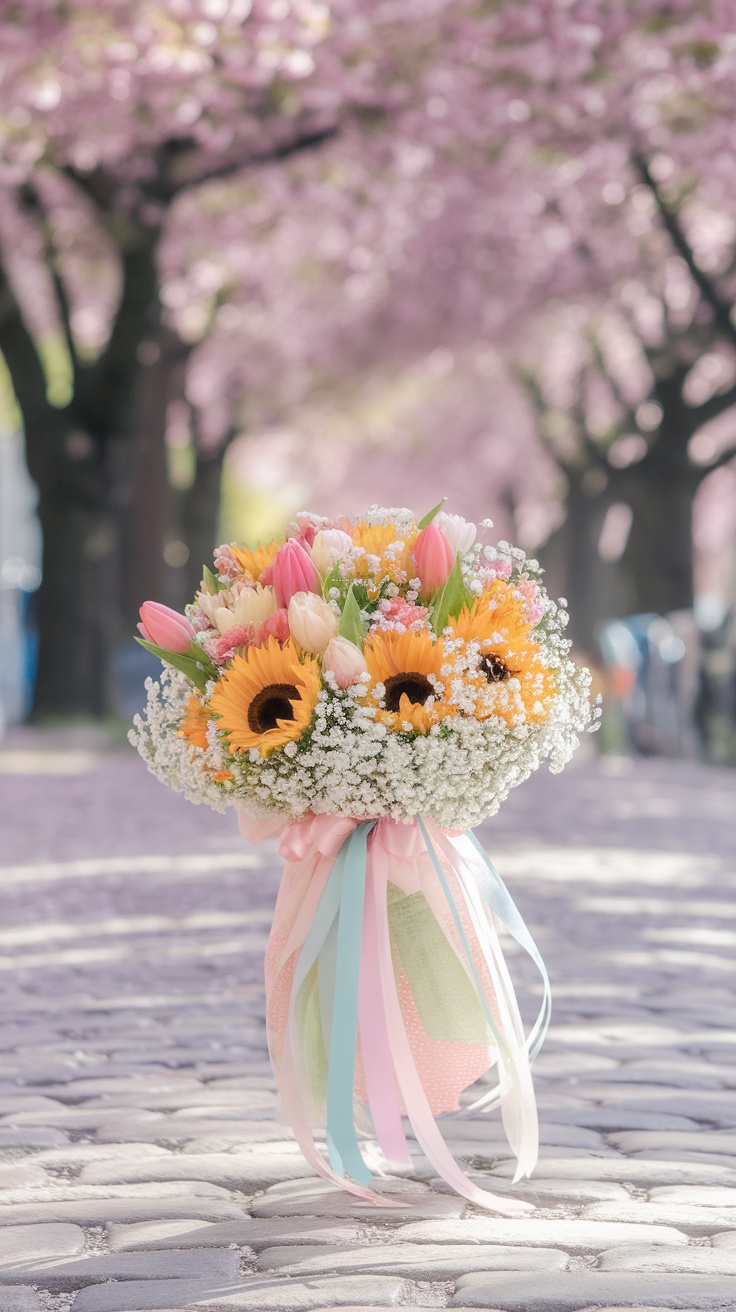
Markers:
<point>258,257</point>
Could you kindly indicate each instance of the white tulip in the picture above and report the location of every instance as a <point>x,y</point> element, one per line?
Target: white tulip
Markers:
<point>312,622</point>
<point>329,545</point>
<point>345,661</point>
<point>460,531</point>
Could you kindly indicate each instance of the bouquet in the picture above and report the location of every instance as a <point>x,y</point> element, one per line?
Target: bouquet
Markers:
<point>370,690</point>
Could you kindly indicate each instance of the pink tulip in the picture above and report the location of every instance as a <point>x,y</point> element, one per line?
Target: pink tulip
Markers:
<point>165,627</point>
<point>434,557</point>
<point>292,571</point>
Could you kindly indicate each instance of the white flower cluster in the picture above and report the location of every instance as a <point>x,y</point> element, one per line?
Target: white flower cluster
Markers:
<point>188,770</point>
<point>348,762</point>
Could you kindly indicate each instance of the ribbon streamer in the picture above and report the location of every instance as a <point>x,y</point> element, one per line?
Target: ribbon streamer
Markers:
<point>388,995</point>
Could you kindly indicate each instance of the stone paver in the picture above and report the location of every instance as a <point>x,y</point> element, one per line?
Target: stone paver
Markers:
<point>70,1273</point>
<point>255,1295</point>
<point>421,1261</point>
<point>141,1165</point>
<point>15,1298</point>
<point>32,1243</point>
<point>573,1291</point>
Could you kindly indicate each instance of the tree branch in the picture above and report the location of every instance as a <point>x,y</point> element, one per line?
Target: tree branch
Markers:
<point>724,458</point>
<point>172,179</point>
<point>715,405</point>
<point>721,308</point>
<point>596,458</point>
<point>31,202</point>
<point>225,168</point>
<point>629,415</point>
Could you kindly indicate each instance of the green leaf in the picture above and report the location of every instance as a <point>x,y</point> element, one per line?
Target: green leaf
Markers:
<point>449,600</point>
<point>191,668</point>
<point>423,523</point>
<point>333,580</point>
<point>198,654</point>
<point>351,625</point>
<point>211,583</point>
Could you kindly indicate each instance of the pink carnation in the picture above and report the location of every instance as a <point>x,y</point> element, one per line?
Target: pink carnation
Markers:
<point>222,649</point>
<point>398,614</point>
<point>276,626</point>
<point>226,566</point>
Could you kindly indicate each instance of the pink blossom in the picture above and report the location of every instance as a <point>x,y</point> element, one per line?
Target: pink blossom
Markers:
<point>398,614</point>
<point>202,623</point>
<point>305,527</point>
<point>434,557</point>
<point>530,593</point>
<point>226,566</point>
<point>165,627</point>
<point>500,569</point>
<point>276,626</point>
<point>224,647</point>
<point>293,571</point>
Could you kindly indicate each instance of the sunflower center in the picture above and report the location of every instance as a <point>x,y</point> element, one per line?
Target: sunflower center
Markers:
<point>412,685</point>
<point>271,704</point>
<point>494,668</point>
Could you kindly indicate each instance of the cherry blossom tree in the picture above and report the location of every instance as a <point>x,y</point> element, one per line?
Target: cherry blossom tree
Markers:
<point>210,211</point>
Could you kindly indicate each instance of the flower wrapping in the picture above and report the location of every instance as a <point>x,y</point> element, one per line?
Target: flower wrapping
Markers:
<point>369,690</point>
<point>388,994</point>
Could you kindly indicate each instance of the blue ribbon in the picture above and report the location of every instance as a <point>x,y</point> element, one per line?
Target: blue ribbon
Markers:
<point>334,941</point>
<point>342,1144</point>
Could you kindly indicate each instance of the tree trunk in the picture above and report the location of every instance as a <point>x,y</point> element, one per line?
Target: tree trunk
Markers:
<point>77,610</point>
<point>573,565</point>
<point>82,461</point>
<point>148,523</point>
<point>657,564</point>
<point>199,517</point>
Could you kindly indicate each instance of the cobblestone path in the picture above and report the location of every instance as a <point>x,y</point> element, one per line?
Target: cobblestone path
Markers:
<point>140,1164</point>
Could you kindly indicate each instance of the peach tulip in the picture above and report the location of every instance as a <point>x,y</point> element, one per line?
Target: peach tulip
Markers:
<point>312,621</point>
<point>344,661</point>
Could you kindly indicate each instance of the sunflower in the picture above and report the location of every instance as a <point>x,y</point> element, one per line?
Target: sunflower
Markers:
<point>194,723</point>
<point>510,676</point>
<point>256,561</point>
<point>382,543</point>
<point>266,697</point>
<point>406,664</point>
